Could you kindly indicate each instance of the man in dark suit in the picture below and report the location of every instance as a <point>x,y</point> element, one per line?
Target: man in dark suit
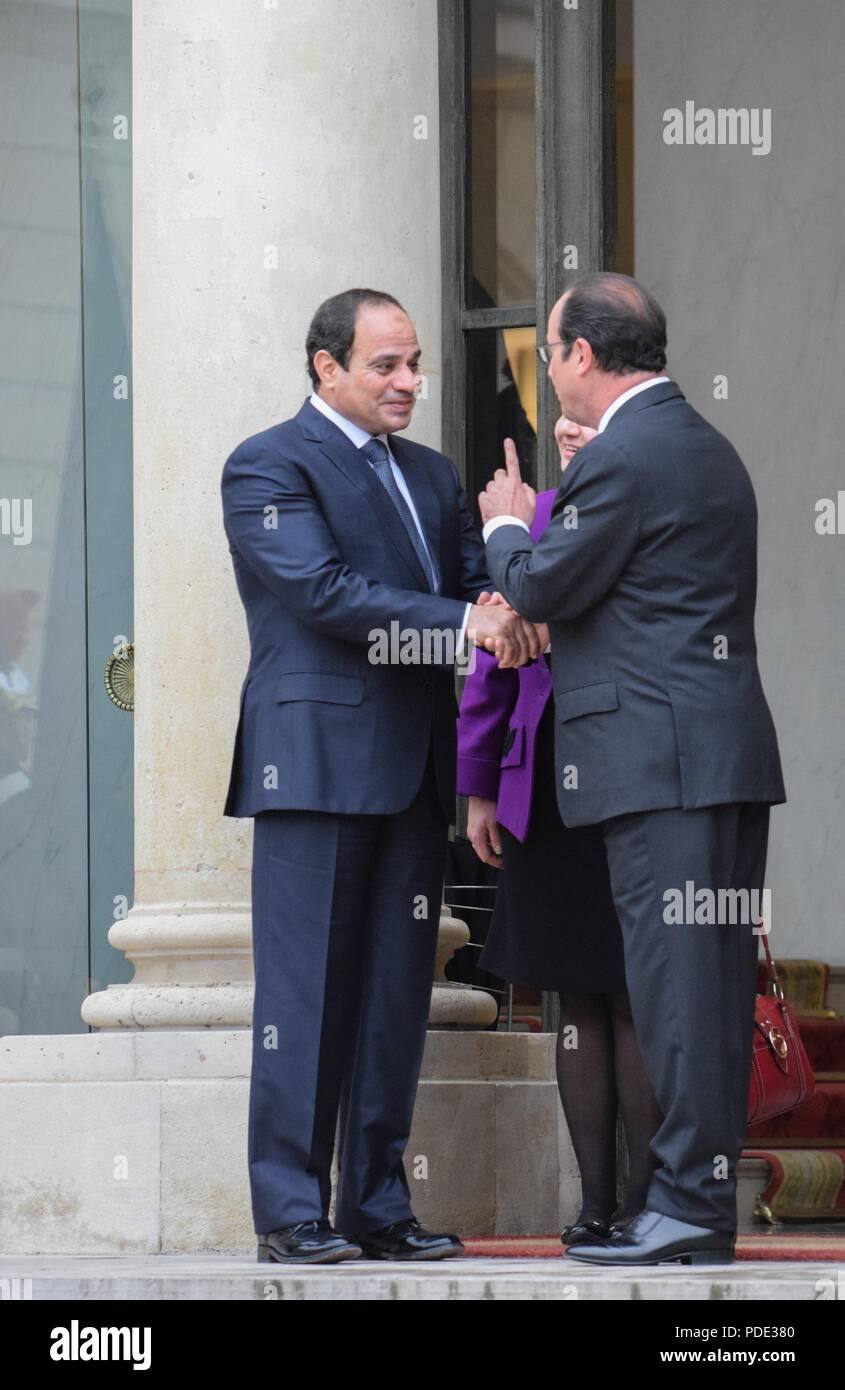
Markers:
<point>647,579</point>
<point>359,567</point>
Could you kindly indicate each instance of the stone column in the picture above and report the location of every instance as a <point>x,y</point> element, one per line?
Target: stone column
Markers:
<point>278,158</point>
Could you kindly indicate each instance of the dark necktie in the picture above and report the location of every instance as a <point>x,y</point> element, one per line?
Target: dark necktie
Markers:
<point>375,452</point>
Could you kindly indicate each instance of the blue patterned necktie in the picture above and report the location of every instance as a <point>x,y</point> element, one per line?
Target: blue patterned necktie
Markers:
<point>375,452</point>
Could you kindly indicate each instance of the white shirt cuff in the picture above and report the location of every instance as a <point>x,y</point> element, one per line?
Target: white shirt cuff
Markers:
<point>463,633</point>
<point>490,526</point>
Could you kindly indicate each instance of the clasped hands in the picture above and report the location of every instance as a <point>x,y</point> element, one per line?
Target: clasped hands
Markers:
<point>496,626</point>
<point>493,623</point>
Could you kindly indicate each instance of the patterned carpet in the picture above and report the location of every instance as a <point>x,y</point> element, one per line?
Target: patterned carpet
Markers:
<point>801,1245</point>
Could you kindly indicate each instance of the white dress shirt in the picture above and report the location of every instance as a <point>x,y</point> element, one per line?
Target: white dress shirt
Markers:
<point>359,437</point>
<point>628,395</point>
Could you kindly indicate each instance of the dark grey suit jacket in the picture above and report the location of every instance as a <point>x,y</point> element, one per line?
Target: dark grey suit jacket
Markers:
<point>647,577</point>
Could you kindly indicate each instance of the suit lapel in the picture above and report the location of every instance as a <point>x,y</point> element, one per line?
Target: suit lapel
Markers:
<point>343,454</point>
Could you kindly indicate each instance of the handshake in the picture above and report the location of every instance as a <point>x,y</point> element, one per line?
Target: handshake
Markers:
<point>497,627</point>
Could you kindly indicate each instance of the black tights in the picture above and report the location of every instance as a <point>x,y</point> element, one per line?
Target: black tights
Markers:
<point>603,1074</point>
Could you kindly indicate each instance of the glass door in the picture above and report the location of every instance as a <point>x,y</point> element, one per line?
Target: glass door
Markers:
<point>65,504</point>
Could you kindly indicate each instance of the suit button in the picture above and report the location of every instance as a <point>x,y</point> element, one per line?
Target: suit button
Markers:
<point>427,687</point>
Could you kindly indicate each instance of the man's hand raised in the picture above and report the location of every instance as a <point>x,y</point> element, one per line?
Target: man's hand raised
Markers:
<point>506,494</point>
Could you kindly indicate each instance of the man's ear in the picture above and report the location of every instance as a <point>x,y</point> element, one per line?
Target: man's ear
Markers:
<point>326,367</point>
<point>585,356</point>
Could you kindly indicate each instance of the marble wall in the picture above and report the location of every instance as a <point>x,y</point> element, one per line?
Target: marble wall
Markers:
<point>746,253</point>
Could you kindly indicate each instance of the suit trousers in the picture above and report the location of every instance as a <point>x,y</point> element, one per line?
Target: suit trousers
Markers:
<point>345,918</point>
<point>692,987</point>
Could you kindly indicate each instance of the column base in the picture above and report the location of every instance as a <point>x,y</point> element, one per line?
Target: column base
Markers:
<point>193,969</point>
<point>175,1007</point>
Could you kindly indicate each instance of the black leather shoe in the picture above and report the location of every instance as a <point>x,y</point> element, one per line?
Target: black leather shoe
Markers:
<point>306,1243</point>
<point>653,1239</point>
<point>407,1240</point>
<point>619,1226</point>
<point>584,1233</point>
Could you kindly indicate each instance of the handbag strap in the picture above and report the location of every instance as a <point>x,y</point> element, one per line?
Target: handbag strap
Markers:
<point>777,988</point>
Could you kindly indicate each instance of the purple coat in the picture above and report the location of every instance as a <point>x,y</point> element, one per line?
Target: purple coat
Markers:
<point>494,704</point>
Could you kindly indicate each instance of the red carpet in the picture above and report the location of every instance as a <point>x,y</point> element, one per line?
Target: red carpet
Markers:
<point>749,1247</point>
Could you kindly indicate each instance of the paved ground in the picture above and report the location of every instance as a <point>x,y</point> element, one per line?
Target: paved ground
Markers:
<point>225,1277</point>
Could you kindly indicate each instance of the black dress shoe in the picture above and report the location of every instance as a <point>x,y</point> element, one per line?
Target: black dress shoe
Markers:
<point>584,1233</point>
<point>653,1239</point>
<point>407,1240</point>
<point>306,1243</point>
<point>619,1226</point>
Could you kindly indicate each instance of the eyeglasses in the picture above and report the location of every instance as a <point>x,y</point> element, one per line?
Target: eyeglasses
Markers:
<point>544,351</point>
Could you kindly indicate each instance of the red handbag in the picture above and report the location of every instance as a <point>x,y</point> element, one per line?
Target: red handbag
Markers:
<point>781,1074</point>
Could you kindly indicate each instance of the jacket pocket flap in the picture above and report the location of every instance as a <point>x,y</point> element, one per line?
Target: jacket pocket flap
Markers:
<point>586,699</point>
<point>318,685</point>
<point>513,748</point>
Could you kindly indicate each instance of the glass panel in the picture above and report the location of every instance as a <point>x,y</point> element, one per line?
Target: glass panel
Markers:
<point>43,752</point>
<point>502,383</point>
<point>65,517</point>
<point>502,194</point>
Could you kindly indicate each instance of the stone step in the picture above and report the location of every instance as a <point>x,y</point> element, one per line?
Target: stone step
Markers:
<point>222,1277</point>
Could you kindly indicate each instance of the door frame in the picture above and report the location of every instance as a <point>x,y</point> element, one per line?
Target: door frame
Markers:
<point>576,191</point>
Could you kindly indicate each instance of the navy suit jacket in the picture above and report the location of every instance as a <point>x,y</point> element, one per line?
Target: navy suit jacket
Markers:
<point>322,562</point>
<point>648,562</point>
